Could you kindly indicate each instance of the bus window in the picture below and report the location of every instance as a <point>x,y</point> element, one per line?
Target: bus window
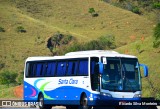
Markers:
<point>72,67</point>
<point>28,70</point>
<point>61,68</point>
<point>48,71</point>
<point>39,69</point>
<point>44,69</point>
<point>94,73</point>
<point>53,68</point>
<point>83,67</point>
<point>31,68</point>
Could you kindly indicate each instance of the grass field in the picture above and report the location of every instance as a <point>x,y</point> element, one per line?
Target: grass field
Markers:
<point>41,19</point>
<point>6,92</point>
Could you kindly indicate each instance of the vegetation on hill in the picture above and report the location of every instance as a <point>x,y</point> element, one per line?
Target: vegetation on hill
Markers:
<point>156,35</point>
<point>103,42</point>
<point>147,8</point>
<point>27,26</point>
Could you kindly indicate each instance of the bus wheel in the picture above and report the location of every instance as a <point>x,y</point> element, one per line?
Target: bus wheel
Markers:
<point>41,103</point>
<point>84,102</point>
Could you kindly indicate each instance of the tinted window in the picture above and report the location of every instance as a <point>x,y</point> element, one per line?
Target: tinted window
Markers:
<point>53,68</point>
<point>61,68</point>
<point>83,67</point>
<point>31,69</point>
<point>72,67</point>
<point>39,69</point>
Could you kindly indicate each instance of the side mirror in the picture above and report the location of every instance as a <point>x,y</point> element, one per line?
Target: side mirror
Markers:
<point>145,69</point>
<point>100,67</point>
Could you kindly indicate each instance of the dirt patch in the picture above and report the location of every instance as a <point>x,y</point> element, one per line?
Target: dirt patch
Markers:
<point>18,91</point>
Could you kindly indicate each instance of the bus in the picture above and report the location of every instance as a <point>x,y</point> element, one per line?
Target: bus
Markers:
<point>83,79</point>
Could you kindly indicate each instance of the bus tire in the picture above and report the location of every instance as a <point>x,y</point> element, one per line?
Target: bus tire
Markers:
<point>84,102</point>
<point>41,103</point>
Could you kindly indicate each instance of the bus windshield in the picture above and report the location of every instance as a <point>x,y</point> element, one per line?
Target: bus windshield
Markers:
<point>121,74</point>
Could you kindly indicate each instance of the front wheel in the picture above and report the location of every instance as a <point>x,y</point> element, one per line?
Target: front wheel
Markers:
<point>84,102</point>
<point>41,103</point>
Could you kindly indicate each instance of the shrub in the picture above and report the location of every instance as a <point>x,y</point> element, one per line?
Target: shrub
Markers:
<point>93,45</point>
<point>74,47</point>
<point>2,65</point>
<point>93,12</point>
<point>21,29</point>
<point>56,38</point>
<point>60,40</point>
<point>7,77</point>
<point>108,40</point>
<point>101,43</point>
<point>156,35</point>
<point>129,6</point>
<point>157,32</point>
<point>156,5</point>
<point>2,29</point>
<point>138,48</point>
<point>19,79</point>
<point>136,10</point>
<point>67,39</point>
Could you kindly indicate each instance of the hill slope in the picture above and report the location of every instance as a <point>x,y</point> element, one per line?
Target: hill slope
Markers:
<point>73,16</point>
<point>41,19</point>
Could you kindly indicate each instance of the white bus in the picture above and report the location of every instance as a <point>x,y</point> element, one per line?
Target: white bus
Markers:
<point>82,79</point>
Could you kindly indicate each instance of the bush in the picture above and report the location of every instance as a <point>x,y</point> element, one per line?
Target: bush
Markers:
<point>136,10</point>
<point>19,79</point>
<point>108,40</point>
<point>56,38</point>
<point>2,65</point>
<point>156,35</point>
<point>74,47</point>
<point>92,45</point>
<point>138,48</point>
<point>67,39</point>
<point>7,77</point>
<point>60,40</point>
<point>21,29</point>
<point>93,12</point>
<point>2,29</point>
<point>156,5</point>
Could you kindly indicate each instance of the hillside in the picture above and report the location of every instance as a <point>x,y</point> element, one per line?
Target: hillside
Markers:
<point>41,19</point>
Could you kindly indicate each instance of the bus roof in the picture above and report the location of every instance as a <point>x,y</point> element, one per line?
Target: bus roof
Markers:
<point>81,54</point>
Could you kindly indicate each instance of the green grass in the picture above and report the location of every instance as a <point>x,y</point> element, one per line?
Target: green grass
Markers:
<point>56,16</point>
<point>6,92</point>
<point>44,18</point>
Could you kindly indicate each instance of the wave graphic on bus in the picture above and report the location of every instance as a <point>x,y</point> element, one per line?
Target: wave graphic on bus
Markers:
<point>33,92</point>
<point>41,89</point>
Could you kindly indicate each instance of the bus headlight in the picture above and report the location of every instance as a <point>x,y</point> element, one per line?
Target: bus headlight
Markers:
<point>137,96</point>
<point>106,94</point>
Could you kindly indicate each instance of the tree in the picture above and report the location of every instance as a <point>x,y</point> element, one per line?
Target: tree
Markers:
<point>156,35</point>
<point>7,77</point>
